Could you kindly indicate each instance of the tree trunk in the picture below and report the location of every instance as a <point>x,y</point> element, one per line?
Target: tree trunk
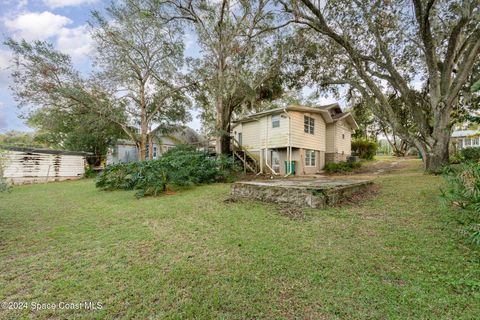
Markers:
<point>436,155</point>
<point>150,147</point>
<point>223,133</point>
<point>436,160</point>
<point>142,154</point>
<point>143,124</point>
<point>143,136</point>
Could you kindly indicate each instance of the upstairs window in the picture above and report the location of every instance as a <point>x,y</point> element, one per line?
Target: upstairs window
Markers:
<point>276,121</point>
<point>310,158</point>
<point>309,125</point>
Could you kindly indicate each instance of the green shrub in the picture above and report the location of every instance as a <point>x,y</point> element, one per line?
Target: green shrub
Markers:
<point>456,158</point>
<point>229,168</point>
<point>180,166</point>
<point>89,172</point>
<point>341,167</point>
<point>470,154</point>
<point>186,166</point>
<point>463,191</point>
<point>365,149</point>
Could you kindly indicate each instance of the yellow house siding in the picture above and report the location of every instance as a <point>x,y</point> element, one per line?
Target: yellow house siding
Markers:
<point>301,139</point>
<point>250,134</point>
<point>343,138</point>
<point>330,140</point>
<point>272,137</point>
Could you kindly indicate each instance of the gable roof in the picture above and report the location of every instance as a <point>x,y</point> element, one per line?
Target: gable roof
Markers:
<point>346,116</point>
<point>324,111</point>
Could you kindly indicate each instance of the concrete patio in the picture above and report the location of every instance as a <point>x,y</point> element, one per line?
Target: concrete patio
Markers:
<point>314,193</point>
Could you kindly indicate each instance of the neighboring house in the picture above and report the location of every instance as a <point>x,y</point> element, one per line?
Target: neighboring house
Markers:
<point>127,151</point>
<point>34,165</point>
<point>308,136</point>
<point>465,139</point>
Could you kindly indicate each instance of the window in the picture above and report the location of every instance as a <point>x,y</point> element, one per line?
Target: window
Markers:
<point>309,125</point>
<point>310,158</point>
<point>275,121</point>
<point>467,142</point>
<point>240,138</point>
<point>155,152</point>
<point>343,136</point>
<point>475,141</point>
<point>275,161</point>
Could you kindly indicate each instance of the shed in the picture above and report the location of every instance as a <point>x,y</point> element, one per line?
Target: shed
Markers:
<point>34,165</point>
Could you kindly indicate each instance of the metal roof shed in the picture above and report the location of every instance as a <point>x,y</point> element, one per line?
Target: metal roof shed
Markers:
<point>34,165</point>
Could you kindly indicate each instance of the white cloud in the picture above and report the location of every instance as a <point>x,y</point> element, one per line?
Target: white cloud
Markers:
<point>75,42</point>
<point>66,3</point>
<point>36,26</point>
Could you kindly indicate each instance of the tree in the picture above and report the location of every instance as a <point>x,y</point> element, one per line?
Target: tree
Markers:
<point>381,48</point>
<point>60,101</point>
<point>238,66</point>
<point>140,57</point>
<point>19,139</point>
<point>77,130</point>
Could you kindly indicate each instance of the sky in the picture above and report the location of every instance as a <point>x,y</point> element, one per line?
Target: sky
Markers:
<point>63,23</point>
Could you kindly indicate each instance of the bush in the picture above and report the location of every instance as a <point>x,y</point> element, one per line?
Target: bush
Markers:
<point>456,158</point>
<point>463,191</point>
<point>89,172</point>
<point>341,167</point>
<point>470,154</point>
<point>365,149</point>
<point>180,166</point>
<point>186,166</point>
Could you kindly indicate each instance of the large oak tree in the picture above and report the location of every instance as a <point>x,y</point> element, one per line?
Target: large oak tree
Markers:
<point>238,64</point>
<point>140,57</point>
<point>391,49</point>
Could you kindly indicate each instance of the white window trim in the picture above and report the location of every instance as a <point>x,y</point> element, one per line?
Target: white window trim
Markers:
<point>310,158</point>
<point>275,116</point>
<point>309,125</point>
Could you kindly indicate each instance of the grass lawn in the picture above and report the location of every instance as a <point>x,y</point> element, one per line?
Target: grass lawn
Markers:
<point>191,255</point>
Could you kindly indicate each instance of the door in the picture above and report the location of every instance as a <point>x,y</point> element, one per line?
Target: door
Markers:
<point>275,156</point>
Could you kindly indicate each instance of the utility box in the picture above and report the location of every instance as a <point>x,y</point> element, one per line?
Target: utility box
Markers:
<point>290,167</point>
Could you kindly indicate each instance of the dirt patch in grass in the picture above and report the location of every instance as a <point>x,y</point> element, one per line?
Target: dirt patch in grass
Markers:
<point>381,167</point>
<point>291,211</point>
<point>284,209</point>
<point>357,198</point>
<point>232,199</point>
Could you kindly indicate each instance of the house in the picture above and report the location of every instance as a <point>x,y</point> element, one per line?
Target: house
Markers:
<point>127,151</point>
<point>462,139</point>
<point>309,137</point>
<point>36,165</point>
